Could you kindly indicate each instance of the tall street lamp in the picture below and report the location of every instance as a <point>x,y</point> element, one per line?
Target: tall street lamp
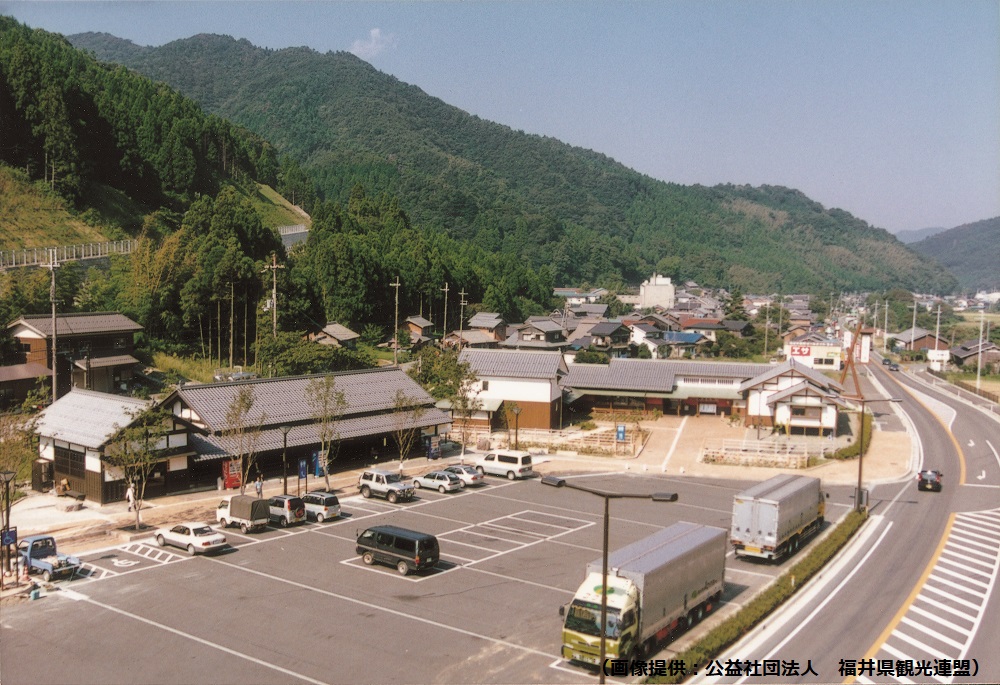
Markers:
<point>6,477</point>
<point>861,446</point>
<point>284,459</point>
<point>557,482</point>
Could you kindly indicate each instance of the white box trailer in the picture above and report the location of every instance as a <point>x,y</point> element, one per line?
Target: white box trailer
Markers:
<point>771,519</point>
<point>657,585</point>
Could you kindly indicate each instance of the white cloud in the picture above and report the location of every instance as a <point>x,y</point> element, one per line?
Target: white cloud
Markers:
<point>375,44</point>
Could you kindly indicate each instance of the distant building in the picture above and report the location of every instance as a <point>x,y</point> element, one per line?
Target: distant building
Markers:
<point>657,291</point>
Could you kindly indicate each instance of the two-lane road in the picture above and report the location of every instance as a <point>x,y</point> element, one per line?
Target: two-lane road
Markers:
<point>916,588</point>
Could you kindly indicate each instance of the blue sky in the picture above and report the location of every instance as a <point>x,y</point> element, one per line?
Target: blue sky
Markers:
<point>889,110</point>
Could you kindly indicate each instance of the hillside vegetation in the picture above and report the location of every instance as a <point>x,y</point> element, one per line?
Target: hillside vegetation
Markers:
<point>971,251</point>
<point>575,213</point>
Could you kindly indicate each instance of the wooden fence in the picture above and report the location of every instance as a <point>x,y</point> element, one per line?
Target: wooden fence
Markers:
<point>788,455</point>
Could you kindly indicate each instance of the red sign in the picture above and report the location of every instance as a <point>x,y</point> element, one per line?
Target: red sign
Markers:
<point>801,350</point>
<point>232,476</point>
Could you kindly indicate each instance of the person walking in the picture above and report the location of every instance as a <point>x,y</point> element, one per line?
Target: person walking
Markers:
<point>130,497</point>
<point>259,484</point>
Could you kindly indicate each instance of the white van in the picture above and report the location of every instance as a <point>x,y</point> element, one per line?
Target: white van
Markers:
<point>510,463</point>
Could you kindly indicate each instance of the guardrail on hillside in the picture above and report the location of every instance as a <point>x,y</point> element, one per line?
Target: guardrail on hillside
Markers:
<point>42,256</point>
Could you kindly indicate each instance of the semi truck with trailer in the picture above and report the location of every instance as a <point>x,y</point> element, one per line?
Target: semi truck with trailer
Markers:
<point>656,586</point>
<point>774,517</point>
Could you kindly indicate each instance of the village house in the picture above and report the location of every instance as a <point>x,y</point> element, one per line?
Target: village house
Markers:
<point>93,350</point>
<point>529,380</point>
<point>336,335</point>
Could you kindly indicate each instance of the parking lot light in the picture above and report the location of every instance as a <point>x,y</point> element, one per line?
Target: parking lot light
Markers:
<point>557,482</point>
<point>284,458</point>
<point>6,477</point>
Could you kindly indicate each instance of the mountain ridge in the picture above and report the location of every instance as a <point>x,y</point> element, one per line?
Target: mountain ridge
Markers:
<point>969,251</point>
<point>580,213</point>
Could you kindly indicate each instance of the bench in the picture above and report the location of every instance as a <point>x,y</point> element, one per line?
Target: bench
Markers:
<point>74,494</point>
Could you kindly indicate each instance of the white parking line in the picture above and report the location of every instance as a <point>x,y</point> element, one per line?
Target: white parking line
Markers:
<point>194,638</point>
<point>387,610</point>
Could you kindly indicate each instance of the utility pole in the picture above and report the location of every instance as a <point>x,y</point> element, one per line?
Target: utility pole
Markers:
<point>274,292</point>
<point>913,328</point>
<point>979,355</point>
<point>461,319</point>
<point>444,328</point>
<point>395,330</point>
<point>767,325</point>
<point>885,328</point>
<point>53,265</point>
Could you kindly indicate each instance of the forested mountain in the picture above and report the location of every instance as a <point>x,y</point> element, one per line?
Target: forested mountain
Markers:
<point>573,215</point>
<point>89,150</point>
<point>971,252</point>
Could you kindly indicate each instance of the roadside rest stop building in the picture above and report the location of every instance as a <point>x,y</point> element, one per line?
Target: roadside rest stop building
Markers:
<point>76,431</point>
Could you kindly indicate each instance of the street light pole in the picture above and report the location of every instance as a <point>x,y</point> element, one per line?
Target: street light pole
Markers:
<point>517,422</point>
<point>557,482</point>
<point>6,477</point>
<point>861,445</point>
<point>284,459</point>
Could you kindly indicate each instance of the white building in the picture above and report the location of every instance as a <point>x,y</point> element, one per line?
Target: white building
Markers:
<point>657,291</point>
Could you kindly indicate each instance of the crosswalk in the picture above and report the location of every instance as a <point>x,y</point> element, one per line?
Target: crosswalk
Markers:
<point>932,640</point>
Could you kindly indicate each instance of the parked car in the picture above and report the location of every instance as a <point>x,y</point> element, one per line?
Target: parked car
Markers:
<point>407,550</point>
<point>467,474</point>
<point>286,509</point>
<point>929,480</point>
<point>510,463</point>
<point>386,484</point>
<point>321,505</point>
<point>442,481</point>
<point>194,537</point>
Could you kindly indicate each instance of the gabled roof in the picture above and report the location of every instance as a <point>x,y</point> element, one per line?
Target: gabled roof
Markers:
<point>792,367</point>
<point>90,323</point>
<point>419,321</point>
<point>816,338</point>
<point>88,418</point>
<point>543,324</point>
<point>514,364</point>
<point>589,309</point>
<point>485,320</point>
<point>280,401</point>
<point>339,332</point>
<point>910,334</point>
<point>474,337</point>
<point>806,388</point>
<point>605,328</point>
<point>645,327</point>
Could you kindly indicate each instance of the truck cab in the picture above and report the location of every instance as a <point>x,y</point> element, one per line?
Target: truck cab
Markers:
<point>582,631</point>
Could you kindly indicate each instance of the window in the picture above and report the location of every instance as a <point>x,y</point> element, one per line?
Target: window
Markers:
<point>70,462</point>
<point>486,385</point>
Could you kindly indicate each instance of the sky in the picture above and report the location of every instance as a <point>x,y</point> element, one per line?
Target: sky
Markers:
<point>887,109</point>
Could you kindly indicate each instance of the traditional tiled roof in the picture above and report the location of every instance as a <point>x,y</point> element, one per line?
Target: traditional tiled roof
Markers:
<point>604,328</point>
<point>485,320</point>
<point>88,418</point>
<point>78,324</point>
<point>419,321</point>
<point>339,332</point>
<point>281,401</point>
<point>543,324</point>
<point>795,367</point>
<point>514,363</point>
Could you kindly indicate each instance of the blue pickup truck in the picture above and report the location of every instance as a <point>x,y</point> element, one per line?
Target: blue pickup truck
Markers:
<point>39,555</point>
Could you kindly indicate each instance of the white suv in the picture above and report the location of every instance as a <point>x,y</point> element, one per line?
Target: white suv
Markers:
<point>384,484</point>
<point>510,463</point>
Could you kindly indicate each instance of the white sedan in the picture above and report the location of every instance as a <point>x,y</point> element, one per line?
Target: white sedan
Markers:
<point>194,537</point>
<point>467,474</point>
<point>439,480</point>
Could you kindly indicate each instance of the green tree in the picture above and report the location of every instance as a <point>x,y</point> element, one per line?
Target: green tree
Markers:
<point>137,448</point>
<point>328,405</point>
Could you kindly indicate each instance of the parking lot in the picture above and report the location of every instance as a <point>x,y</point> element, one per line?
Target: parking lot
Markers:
<point>298,605</point>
